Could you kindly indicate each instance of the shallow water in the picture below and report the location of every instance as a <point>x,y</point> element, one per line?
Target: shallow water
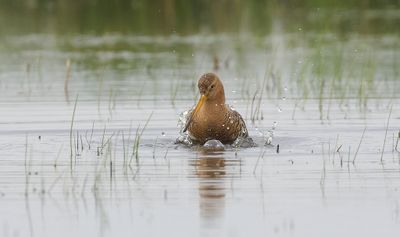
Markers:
<point>118,171</point>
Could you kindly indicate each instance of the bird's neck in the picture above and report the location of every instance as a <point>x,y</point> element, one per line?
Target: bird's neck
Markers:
<point>219,98</point>
<point>210,109</point>
<point>214,104</point>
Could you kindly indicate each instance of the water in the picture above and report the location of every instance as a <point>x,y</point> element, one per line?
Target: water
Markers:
<point>126,176</point>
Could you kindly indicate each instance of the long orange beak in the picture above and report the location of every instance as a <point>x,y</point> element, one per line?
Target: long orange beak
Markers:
<point>199,104</point>
<point>196,109</point>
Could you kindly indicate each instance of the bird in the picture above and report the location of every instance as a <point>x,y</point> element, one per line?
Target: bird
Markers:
<point>211,118</point>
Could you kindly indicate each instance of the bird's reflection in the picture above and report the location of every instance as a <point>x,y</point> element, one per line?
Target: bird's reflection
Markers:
<point>210,169</point>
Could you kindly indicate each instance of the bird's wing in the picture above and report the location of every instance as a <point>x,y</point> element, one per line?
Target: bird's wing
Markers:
<point>240,124</point>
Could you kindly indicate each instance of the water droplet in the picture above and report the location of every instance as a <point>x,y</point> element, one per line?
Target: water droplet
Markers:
<point>163,134</point>
<point>283,98</point>
<point>300,29</point>
<point>285,88</point>
<point>274,125</point>
<point>279,109</point>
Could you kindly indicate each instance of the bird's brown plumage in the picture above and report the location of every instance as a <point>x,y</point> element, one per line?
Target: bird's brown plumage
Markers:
<point>212,118</point>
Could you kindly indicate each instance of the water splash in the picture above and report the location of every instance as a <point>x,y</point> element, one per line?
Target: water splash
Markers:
<point>243,142</point>
<point>184,137</point>
<point>269,135</point>
<point>214,145</point>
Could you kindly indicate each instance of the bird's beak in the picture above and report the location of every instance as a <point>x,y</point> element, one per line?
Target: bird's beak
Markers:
<point>199,104</point>
<point>196,110</point>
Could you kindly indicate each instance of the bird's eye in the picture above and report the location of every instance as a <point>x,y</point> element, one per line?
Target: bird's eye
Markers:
<point>212,86</point>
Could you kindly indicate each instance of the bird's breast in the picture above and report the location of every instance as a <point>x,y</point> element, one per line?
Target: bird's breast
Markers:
<point>213,123</point>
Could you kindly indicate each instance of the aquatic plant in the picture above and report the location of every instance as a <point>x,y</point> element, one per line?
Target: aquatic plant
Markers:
<point>386,131</point>
<point>70,132</point>
<point>136,142</point>
<point>359,144</point>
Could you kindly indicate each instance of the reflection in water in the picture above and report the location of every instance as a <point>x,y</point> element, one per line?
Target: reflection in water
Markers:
<point>211,169</point>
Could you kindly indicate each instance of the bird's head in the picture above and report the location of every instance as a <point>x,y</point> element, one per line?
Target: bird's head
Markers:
<point>210,86</point>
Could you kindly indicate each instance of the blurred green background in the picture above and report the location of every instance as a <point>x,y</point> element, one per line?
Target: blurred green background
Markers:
<point>183,17</point>
<point>315,48</point>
